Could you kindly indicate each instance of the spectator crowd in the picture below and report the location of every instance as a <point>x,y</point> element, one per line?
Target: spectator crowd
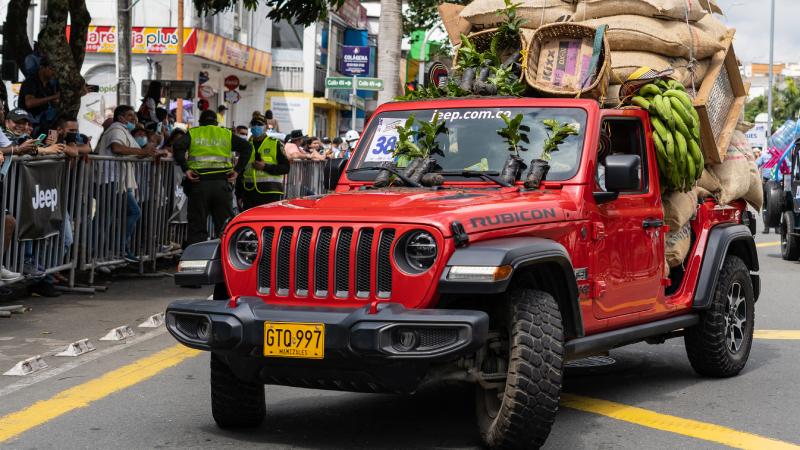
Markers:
<point>37,127</point>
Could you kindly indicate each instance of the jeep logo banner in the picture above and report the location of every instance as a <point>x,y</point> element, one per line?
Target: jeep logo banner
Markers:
<point>40,212</point>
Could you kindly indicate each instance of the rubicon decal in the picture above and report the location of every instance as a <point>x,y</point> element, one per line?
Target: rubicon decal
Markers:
<point>527,215</point>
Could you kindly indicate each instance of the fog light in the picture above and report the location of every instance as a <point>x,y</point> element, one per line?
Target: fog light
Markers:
<point>192,266</point>
<point>405,340</point>
<point>479,273</point>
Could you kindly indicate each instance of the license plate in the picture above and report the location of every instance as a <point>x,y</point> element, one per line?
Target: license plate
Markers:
<point>294,340</point>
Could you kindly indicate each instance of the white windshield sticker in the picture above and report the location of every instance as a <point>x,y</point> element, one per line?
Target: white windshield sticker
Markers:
<point>384,140</point>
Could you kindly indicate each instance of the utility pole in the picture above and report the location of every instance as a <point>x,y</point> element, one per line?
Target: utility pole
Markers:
<point>771,70</point>
<point>179,69</point>
<point>123,52</point>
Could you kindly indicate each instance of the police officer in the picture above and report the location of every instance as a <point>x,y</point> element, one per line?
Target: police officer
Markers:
<point>262,180</point>
<point>205,155</point>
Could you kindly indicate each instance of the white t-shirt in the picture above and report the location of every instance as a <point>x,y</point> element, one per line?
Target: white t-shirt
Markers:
<point>117,133</point>
<point>4,142</point>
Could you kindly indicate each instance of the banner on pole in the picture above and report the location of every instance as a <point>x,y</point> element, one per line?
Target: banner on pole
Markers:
<point>41,211</point>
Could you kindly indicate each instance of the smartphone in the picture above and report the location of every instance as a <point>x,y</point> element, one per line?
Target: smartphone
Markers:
<point>40,139</point>
<point>92,88</point>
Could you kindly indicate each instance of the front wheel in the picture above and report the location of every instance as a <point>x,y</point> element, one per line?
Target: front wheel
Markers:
<point>720,344</point>
<point>235,403</point>
<point>519,411</point>
<point>790,242</point>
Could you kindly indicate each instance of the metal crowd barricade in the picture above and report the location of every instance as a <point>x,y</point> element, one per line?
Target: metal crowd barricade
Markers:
<point>96,209</point>
<point>305,178</point>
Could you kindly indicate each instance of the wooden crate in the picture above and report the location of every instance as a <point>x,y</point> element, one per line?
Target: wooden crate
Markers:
<point>719,103</point>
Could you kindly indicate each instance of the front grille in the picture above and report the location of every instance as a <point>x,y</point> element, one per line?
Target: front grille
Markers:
<point>303,255</point>
<point>430,338</point>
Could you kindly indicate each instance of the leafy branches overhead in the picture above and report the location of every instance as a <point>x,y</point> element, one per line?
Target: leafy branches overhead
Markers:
<point>300,12</point>
<point>558,133</point>
<point>514,133</point>
<point>423,14</point>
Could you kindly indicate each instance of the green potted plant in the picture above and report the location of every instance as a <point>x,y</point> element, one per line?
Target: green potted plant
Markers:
<point>427,135</point>
<point>558,133</point>
<point>514,133</point>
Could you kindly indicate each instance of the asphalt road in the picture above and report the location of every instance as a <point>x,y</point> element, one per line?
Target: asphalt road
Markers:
<point>147,392</point>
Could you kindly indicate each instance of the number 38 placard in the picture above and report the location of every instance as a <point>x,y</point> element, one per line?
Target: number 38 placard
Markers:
<point>384,140</point>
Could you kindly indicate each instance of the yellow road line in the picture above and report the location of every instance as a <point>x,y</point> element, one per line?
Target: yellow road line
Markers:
<point>687,427</point>
<point>777,334</point>
<point>82,395</point>
<point>768,244</point>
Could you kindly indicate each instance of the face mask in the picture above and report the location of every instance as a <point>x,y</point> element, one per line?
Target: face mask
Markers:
<point>141,140</point>
<point>130,126</point>
<point>257,130</point>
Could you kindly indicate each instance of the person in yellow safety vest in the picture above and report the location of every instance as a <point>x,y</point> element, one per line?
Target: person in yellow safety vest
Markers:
<point>262,180</point>
<point>206,156</point>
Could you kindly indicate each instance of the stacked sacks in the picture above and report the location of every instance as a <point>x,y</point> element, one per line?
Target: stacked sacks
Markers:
<point>482,14</point>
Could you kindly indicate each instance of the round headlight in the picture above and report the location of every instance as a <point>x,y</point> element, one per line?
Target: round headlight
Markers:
<point>244,248</point>
<point>417,251</point>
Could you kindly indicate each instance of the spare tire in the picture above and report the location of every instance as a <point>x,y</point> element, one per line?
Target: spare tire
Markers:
<point>774,204</point>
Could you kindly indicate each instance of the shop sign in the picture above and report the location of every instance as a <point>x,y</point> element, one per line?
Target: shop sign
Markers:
<point>144,40</point>
<point>355,60</point>
<point>232,96</point>
<point>205,91</point>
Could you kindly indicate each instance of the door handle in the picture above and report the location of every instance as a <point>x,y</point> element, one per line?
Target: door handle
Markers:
<point>652,223</point>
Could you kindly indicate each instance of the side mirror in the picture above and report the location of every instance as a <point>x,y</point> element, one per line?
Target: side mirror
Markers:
<point>333,171</point>
<point>622,173</point>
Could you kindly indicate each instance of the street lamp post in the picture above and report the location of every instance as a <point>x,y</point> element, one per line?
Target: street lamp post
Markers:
<point>771,70</point>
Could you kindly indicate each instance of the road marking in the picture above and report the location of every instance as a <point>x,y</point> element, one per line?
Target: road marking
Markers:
<point>777,334</point>
<point>84,394</point>
<point>50,373</point>
<point>768,244</point>
<point>678,425</point>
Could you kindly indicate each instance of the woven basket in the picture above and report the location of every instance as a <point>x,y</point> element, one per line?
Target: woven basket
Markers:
<point>547,33</point>
<point>482,41</point>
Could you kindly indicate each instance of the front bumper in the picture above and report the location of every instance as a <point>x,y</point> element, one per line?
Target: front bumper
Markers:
<point>360,345</point>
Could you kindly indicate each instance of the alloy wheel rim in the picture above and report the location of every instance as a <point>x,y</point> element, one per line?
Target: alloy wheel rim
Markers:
<point>735,318</point>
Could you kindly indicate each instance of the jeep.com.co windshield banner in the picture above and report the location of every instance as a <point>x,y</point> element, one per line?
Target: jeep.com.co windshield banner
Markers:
<point>41,210</point>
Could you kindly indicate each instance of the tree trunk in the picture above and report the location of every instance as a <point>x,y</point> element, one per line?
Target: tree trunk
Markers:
<point>79,20</point>
<point>15,32</point>
<point>390,33</point>
<point>53,44</point>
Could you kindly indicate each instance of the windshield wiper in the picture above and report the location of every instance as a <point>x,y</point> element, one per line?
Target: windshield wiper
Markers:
<point>489,176</point>
<point>394,172</point>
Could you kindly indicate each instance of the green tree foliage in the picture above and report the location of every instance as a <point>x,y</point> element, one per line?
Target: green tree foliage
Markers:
<point>423,14</point>
<point>785,104</point>
<point>301,12</point>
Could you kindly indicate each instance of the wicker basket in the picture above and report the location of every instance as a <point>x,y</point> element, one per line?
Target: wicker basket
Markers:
<point>719,103</point>
<point>482,41</point>
<point>547,33</point>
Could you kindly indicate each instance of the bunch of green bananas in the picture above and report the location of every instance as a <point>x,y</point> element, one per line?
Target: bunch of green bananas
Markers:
<point>676,132</point>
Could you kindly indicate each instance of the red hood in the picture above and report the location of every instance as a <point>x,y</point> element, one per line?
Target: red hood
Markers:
<point>477,209</point>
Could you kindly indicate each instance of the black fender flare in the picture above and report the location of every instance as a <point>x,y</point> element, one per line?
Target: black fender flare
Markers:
<point>208,251</point>
<point>723,240</point>
<point>519,253</point>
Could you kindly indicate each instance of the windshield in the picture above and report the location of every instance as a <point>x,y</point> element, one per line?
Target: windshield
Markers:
<point>470,140</point>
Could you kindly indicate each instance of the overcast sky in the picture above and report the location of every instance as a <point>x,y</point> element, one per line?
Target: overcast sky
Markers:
<point>751,20</point>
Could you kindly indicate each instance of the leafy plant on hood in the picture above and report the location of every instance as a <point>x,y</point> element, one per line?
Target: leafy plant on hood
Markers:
<point>428,132</point>
<point>558,133</point>
<point>406,148</point>
<point>514,133</point>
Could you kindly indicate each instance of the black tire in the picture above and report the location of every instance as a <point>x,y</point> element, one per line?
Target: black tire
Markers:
<point>520,417</point>
<point>790,242</point>
<point>235,403</point>
<point>774,202</point>
<point>714,346</point>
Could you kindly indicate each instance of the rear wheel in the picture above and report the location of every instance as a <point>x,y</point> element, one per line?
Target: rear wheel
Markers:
<point>720,344</point>
<point>518,410</point>
<point>790,242</point>
<point>235,403</point>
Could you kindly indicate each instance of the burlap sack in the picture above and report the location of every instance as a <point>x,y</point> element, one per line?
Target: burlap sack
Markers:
<point>483,13</point>
<point>668,38</point>
<point>709,182</point>
<point>733,175</point>
<point>702,194</point>
<point>453,23</point>
<point>679,208</point>
<point>624,63</point>
<point>714,28</point>
<point>676,245</point>
<point>659,9</point>
<point>755,194</point>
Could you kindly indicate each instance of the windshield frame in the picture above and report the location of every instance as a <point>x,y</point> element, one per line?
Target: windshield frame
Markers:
<point>589,108</point>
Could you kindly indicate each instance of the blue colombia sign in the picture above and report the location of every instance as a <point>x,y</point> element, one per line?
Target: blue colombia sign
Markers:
<point>355,60</point>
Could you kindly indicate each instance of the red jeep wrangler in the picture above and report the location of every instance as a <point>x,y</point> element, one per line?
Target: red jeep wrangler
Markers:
<point>387,289</point>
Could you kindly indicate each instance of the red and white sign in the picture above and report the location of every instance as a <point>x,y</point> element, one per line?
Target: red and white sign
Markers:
<point>232,97</point>
<point>231,82</point>
<point>205,91</point>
